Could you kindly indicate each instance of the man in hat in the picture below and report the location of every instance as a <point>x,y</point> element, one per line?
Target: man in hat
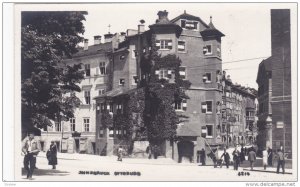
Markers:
<point>30,148</point>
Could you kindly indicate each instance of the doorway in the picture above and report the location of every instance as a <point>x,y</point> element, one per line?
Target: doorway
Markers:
<point>185,151</point>
<point>77,145</point>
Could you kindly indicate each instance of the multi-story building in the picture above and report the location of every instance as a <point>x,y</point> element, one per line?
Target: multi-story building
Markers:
<point>198,45</point>
<point>238,114</point>
<point>78,134</point>
<point>274,87</point>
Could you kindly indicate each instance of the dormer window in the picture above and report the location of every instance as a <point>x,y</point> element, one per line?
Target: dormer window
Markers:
<point>189,24</point>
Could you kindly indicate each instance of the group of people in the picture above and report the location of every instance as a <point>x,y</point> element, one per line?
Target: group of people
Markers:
<point>153,151</point>
<point>239,157</point>
<point>31,148</point>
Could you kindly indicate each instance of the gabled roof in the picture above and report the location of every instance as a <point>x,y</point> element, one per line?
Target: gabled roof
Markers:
<point>265,65</point>
<point>94,49</point>
<point>189,17</point>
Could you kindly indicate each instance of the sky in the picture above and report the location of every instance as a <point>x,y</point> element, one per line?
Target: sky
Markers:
<point>246,28</point>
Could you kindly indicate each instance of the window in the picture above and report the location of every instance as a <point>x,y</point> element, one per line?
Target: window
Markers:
<point>101,91</point>
<point>110,108</point>
<point>182,72</point>
<point>119,108</point>
<point>181,46</point>
<point>87,97</point>
<point>98,108</point>
<point>57,126</point>
<point>86,124</point>
<point>100,133</point>
<point>102,68</point>
<point>164,73</point>
<point>134,53</point>
<point>191,25</point>
<point>87,69</point>
<point>209,131</point>
<point>206,107</point>
<point>111,132</point>
<point>164,44</point>
<point>207,78</point>
<point>121,82</point>
<point>180,105</point>
<point>72,124</point>
<point>207,50</point>
<point>134,80</point>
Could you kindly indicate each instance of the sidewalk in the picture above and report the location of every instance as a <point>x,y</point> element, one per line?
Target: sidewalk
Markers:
<point>269,170</point>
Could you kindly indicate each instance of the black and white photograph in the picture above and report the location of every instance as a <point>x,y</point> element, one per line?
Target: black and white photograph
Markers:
<point>203,92</point>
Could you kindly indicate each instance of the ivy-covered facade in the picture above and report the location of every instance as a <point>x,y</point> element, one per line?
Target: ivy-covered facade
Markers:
<point>166,90</point>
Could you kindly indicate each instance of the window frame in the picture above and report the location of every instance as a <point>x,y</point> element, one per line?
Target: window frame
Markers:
<point>165,44</point>
<point>211,49</point>
<point>210,75</point>
<point>87,68</point>
<point>185,77</point>
<point>194,21</point>
<point>212,131</point>
<point>72,124</point>
<point>120,84</point>
<point>87,97</point>
<point>102,65</point>
<point>86,124</point>
<point>179,50</point>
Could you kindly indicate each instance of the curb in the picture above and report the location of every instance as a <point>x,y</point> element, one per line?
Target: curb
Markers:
<point>267,171</point>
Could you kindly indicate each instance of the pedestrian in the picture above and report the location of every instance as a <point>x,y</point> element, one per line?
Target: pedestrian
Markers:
<point>242,155</point>
<point>281,161</point>
<point>52,155</point>
<point>149,151</point>
<point>155,151</point>
<point>265,159</point>
<point>270,157</point>
<point>226,158</point>
<point>30,148</point>
<point>120,153</point>
<point>203,157</point>
<point>236,158</point>
<point>251,157</point>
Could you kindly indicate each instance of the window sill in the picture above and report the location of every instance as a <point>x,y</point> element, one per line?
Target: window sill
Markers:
<point>182,51</point>
<point>208,82</point>
<point>207,54</point>
<point>209,137</point>
<point>209,113</point>
<point>164,49</point>
<point>179,110</point>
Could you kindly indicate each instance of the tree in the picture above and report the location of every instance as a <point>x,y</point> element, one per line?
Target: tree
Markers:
<point>160,117</point>
<point>48,84</point>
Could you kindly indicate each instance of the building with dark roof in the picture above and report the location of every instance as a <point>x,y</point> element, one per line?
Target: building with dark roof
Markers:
<point>274,88</point>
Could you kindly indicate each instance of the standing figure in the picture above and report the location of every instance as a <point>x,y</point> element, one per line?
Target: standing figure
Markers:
<point>236,158</point>
<point>52,155</point>
<point>203,157</point>
<point>252,157</point>
<point>30,148</point>
<point>270,157</point>
<point>155,151</point>
<point>242,155</point>
<point>149,151</point>
<point>280,162</point>
<point>265,159</point>
<point>120,153</point>
<point>226,158</point>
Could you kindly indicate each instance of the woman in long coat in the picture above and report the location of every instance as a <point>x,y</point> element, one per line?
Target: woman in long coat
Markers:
<point>52,155</point>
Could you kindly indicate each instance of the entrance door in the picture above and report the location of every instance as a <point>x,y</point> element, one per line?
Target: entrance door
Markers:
<point>77,145</point>
<point>185,151</point>
<point>94,148</point>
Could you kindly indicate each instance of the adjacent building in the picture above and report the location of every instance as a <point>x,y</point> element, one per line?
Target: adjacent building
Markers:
<point>274,87</point>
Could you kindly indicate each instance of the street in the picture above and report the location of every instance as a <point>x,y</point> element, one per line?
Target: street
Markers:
<point>74,167</point>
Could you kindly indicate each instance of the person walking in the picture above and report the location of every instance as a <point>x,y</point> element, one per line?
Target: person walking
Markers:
<point>280,161</point>
<point>251,157</point>
<point>236,158</point>
<point>52,155</point>
<point>265,159</point>
<point>226,158</point>
<point>270,157</point>
<point>30,148</point>
<point>203,157</point>
<point>120,153</point>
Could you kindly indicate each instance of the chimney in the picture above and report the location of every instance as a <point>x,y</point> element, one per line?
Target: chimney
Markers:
<point>86,44</point>
<point>97,39</point>
<point>141,28</point>
<point>163,17</point>
<point>108,37</point>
